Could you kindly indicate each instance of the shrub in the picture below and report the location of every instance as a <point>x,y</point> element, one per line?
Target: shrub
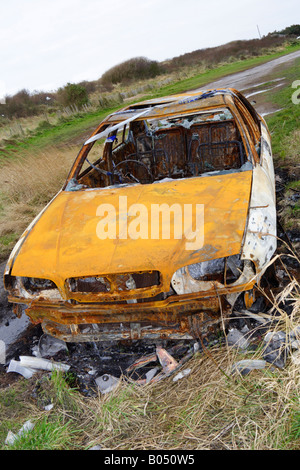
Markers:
<point>293,30</point>
<point>24,104</point>
<point>138,68</point>
<point>72,94</point>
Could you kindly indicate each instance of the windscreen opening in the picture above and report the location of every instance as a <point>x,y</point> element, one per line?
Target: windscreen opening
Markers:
<point>145,152</point>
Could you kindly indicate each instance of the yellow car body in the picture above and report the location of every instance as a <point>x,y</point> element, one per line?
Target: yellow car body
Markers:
<point>111,257</point>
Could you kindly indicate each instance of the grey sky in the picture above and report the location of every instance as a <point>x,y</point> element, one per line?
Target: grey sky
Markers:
<point>46,43</point>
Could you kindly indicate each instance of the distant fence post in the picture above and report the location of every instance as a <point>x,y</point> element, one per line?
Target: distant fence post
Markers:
<point>20,128</point>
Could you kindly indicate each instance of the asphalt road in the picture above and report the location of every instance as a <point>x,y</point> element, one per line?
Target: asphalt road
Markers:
<point>248,78</point>
<point>251,78</point>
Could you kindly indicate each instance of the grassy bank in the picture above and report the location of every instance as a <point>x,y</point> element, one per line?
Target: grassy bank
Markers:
<point>219,72</point>
<point>76,127</point>
<point>286,121</point>
<point>284,126</point>
<point>68,131</point>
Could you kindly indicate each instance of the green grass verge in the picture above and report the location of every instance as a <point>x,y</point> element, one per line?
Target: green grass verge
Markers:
<point>285,122</point>
<point>284,126</point>
<point>62,133</point>
<point>221,71</point>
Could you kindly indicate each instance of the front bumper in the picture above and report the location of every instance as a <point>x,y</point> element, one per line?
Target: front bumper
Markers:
<point>177,317</point>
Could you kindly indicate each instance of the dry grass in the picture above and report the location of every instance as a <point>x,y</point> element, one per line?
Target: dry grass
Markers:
<point>288,203</point>
<point>36,178</point>
<point>207,410</point>
<point>27,185</point>
<point>291,144</point>
<point>24,125</point>
<point>210,408</point>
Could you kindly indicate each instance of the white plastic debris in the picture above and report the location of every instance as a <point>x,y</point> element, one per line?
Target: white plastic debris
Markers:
<point>2,352</point>
<point>28,426</point>
<point>237,339</point>
<point>28,365</point>
<point>49,407</point>
<point>16,366</point>
<point>35,351</point>
<point>277,335</point>
<point>182,374</point>
<point>10,438</point>
<point>106,383</point>
<point>276,348</point>
<point>151,373</point>
<point>42,364</point>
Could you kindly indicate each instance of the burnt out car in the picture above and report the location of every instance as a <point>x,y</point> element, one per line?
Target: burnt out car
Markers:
<point>167,217</point>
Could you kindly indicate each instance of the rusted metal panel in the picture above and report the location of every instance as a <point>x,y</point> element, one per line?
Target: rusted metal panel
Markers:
<point>135,327</point>
<point>177,315</point>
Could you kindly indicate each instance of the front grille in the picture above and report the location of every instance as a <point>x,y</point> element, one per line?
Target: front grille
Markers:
<point>89,284</point>
<point>114,283</point>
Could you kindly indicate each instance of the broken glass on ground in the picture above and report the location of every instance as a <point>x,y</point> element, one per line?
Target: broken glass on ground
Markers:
<point>276,348</point>
<point>49,346</point>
